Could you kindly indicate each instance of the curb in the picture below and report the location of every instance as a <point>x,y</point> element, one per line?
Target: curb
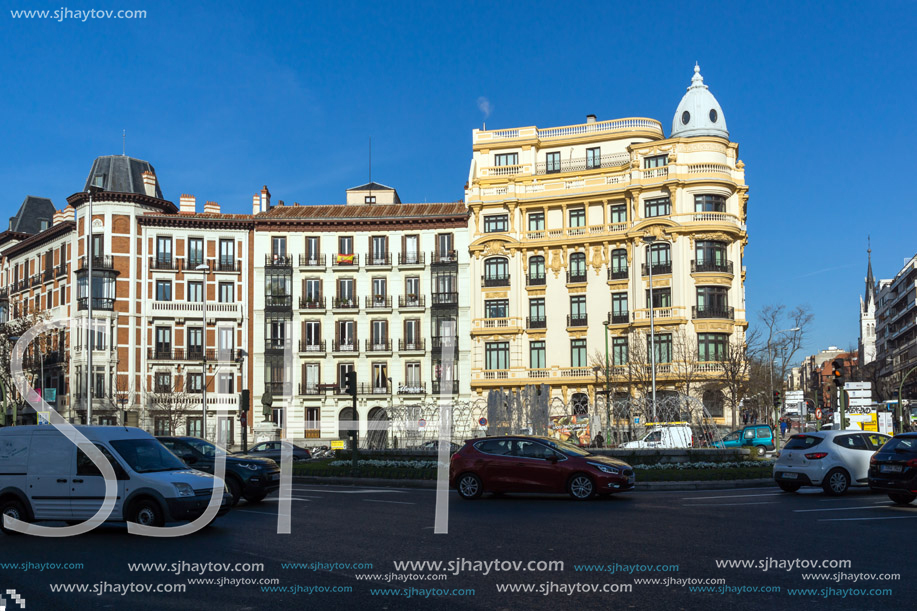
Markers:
<point>431,484</point>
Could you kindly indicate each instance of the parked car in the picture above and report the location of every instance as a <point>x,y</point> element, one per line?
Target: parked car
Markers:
<point>434,445</point>
<point>45,477</point>
<point>834,460</point>
<point>893,469</point>
<point>664,436</point>
<point>249,477</point>
<point>272,450</point>
<point>523,463</point>
<point>757,437</point>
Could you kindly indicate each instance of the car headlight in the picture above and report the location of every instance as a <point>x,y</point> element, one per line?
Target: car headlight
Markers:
<point>183,489</point>
<point>606,468</point>
<point>250,465</point>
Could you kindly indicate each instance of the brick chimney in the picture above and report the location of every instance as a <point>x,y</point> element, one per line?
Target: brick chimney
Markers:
<point>256,204</point>
<point>149,183</point>
<point>211,208</point>
<point>265,199</point>
<point>67,214</point>
<point>187,204</point>
<point>58,217</point>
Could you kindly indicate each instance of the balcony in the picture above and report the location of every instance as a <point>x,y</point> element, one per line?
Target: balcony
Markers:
<point>227,265</point>
<point>277,389</point>
<point>159,263</point>
<point>345,304</point>
<point>610,160</point>
<point>502,280</point>
<point>717,218</point>
<point>416,345</point>
<point>278,261</point>
<point>727,312</point>
<point>411,301</point>
<point>577,320</point>
<point>444,257</point>
<point>312,349</point>
<point>438,341</point>
<point>621,273</point>
<point>278,302</point>
<point>315,261</point>
<point>619,318</point>
<point>438,387</point>
<point>98,262</point>
<point>98,303</point>
<point>577,276</point>
<point>536,322</point>
<point>316,304</point>
<point>724,267</point>
<point>378,346</point>
<point>379,260</point>
<point>310,389</point>
<point>445,299</point>
<point>661,314</point>
<point>658,269</point>
<point>412,388</point>
<point>193,354</point>
<point>184,309</point>
<point>535,279</point>
<point>61,270</point>
<point>345,261</point>
<point>349,348</point>
<point>484,326</point>
<point>276,343</point>
<point>410,258</point>
<point>378,302</point>
<point>48,275</point>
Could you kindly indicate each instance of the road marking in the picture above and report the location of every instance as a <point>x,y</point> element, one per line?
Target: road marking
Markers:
<point>861,519</point>
<point>727,504</point>
<point>267,513</point>
<point>729,496</point>
<point>292,498</point>
<point>381,501</point>
<point>842,508</point>
<point>361,491</point>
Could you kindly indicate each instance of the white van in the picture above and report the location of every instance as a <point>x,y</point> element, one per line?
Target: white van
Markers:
<point>664,436</point>
<point>44,476</point>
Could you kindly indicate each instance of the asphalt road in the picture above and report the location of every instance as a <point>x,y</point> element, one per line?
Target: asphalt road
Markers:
<point>692,530</point>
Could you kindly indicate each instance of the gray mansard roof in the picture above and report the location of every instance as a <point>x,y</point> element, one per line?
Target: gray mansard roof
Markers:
<point>121,174</point>
<point>32,211</point>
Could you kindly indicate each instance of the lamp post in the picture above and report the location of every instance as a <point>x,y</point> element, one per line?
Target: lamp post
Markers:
<point>89,332</point>
<point>203,268</point>
<point>648,240</point>
<point>607,382</point>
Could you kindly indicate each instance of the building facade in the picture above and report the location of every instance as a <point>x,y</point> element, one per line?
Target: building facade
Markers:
<point>896,330</point>
<point>867,340</point>
<point>569,224</point>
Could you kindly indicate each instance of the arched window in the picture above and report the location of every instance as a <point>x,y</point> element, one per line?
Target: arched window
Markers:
<point>577,271</point>
<point>536,270</point>
<point>659,257</point>
<point>496,271</point>
<point>618,263</point>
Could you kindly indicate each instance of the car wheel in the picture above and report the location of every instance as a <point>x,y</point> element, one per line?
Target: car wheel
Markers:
<point>234,488</point>
<point>146,513</point>
<point>757,451</point>
<point>836,482</point>
<point>901,498</point>
<point>469,486</point>
<point>14,509</point>
<point>581,487</point>
<point>788,487</point>
<point>255,498</point>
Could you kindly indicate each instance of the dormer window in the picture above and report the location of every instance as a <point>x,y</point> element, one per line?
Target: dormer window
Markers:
<point>97,181</point>
<point>656,161</point>
<point>370,199</point>
<point>43,224</point>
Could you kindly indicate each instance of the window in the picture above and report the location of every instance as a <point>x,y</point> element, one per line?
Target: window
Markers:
<point>502,159</point>
<point>536,309</point>
<point>312,332</point>
<point>619,261</point>
<point>195,381</point>
<point>278,246</point>
<point>345,245</point>
<point>380,290</point>
<point>194,426</point>
<point>379,249</point>
<point>227,253</point>
<point>380,377</point>
<point>656,161</point>
<point>225,343</point>
<point>662,297</point>
<point>553,162</point>
<point>311,372</point>
<point>495,223</point>
<point>195,252</point>
<point>411,331</point>
<point>496,308</point>
<point>660,257</point>
<point>277,289</point>
<point>711,346</point>
<point>195,342</point>
<point>578,353</point>
<point>161,427</point>
<point>593,158</point>
<point>657,207</point>
<point>163,382</point>
<point>577,217</point>
<point>98,384</point>
<point>346,297</point>
<point>536,221</point>
<point>163,290</point>
<point>537,355</point>
<point>663,344</point>
<point>496,268</point>
<point>709,203</point>
<point>577,267</point>
<point>412,375</point>
<point>163,340</point>
<point>276,332</point>
<point>619,306</point>
<point>712,299</point>
<point>379,329</point>
<point>577,310</point>
<point>312,249</point>
<point>225,383</point>
<point>496,355</point>
<point>536,268</point>
<point>411,249</point>
<point>98,180</point>
<point>98,248</point>
<point>227,292</point>
<point>312,289</point>
<point>710,254</point>
<point>195,291</point>
<point>619,351</point>
<point>369,199</point>
<point>346,333</point>
<point>444,247</point>
<point>343,370</point>
<point>617,213</point>
<point>412,288</point>
<point>164,249</point>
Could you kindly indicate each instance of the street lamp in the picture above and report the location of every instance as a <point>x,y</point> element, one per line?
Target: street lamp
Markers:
<point>87,227</point>
<point>605,323</point>
<point>204,268</point>
<point>648,240</point>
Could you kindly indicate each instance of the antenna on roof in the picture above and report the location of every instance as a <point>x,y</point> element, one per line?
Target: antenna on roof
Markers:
<point>123,142</point>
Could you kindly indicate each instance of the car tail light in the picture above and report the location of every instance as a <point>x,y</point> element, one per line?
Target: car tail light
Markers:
<point>911,463</point>
<point>872,460</point>
<point>816,455</point>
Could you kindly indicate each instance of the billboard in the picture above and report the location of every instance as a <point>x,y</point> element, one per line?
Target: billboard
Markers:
<point>572,429</point>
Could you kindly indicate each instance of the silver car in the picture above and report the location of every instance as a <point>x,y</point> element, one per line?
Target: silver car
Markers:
<point>834,460</point>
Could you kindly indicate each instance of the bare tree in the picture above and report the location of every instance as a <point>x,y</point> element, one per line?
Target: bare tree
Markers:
<point>10,332</point>
<point>737,365</point>
<point>786,332</point>
<point>173,404</point>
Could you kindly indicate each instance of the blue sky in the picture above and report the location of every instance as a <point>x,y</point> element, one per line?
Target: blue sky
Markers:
<point>225,97</point>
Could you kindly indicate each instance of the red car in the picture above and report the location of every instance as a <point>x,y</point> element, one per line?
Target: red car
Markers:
<point>524,463</point>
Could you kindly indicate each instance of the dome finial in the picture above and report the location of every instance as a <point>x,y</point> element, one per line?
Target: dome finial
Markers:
<point>697,80</point>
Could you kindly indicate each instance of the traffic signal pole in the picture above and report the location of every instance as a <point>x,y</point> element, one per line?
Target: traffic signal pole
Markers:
<point>351,381</point>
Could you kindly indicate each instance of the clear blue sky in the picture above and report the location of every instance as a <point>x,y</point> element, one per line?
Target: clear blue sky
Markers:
<point>225,97</point>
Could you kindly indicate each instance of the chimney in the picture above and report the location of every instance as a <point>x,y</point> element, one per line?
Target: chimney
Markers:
<point>256,204</point>
<point>186,204</point>
<point>211,208</point>
<point>279,202</point>
<point>590,118</point>
<point>149,183</point>
<point>58,217</point>
<point>67,214</point>
<point>265,199</point>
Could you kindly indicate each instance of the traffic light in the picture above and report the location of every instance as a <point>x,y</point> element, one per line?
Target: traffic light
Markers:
<point>776,398</point>
<point>350,383</point>
<point>838,372</point>
<point>243,406</point>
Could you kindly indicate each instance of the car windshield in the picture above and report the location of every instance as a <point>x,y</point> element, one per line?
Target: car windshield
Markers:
<point>802,442</point>
<point>147,455</point>
<point>566,448</point>
<point>205,447</point>
<point>901,444</point>
<point>732,436</point>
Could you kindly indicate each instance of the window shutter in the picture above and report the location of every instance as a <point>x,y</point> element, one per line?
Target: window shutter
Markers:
<point>404,247</point>
<point>321,291</point>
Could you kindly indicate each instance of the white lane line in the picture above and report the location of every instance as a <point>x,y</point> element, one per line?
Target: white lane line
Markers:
<point>727,504</point>
<point>842,508</point>
<point>381,501</point>
<point>863,519</point>
<point>730,496</point>
<point>267,513</point>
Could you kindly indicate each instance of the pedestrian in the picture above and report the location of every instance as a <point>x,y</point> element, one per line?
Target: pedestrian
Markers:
<point>599,441</point>
<point>745,418</point>
<point>754,417</point>
<point>782,427</point>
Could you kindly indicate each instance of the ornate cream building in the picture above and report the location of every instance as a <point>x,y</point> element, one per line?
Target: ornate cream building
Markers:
<point>560,230</point>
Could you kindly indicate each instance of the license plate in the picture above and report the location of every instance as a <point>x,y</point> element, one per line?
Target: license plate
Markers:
<point>275,476</point>
<point>790,475</point>
<point>890,468</point>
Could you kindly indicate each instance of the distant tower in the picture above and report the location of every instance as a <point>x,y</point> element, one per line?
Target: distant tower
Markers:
<point>867,343</point>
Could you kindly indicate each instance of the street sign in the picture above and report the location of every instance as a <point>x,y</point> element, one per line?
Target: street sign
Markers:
<point>337,444</point>
<point>33,396</point>
<point>818,413</point>
<point>636,419</point>
<point>483,421</point>
<point>50,395</point>
<point>421,423</point>
<point>44,417</point>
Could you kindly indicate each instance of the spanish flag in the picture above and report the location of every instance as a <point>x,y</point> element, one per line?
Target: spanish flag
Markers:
<point>345,259</point>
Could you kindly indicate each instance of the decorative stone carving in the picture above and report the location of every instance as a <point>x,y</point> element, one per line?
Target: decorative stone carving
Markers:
<point>598,259</point>
<point>495,248</point>
<point>557,262</point>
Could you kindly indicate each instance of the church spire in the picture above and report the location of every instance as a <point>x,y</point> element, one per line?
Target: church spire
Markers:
<point>870,282</point>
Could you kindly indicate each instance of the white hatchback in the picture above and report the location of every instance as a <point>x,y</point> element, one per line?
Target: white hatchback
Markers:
<point>834,460</point>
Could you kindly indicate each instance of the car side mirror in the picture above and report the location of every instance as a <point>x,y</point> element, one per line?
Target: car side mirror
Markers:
<point>189,459</point>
